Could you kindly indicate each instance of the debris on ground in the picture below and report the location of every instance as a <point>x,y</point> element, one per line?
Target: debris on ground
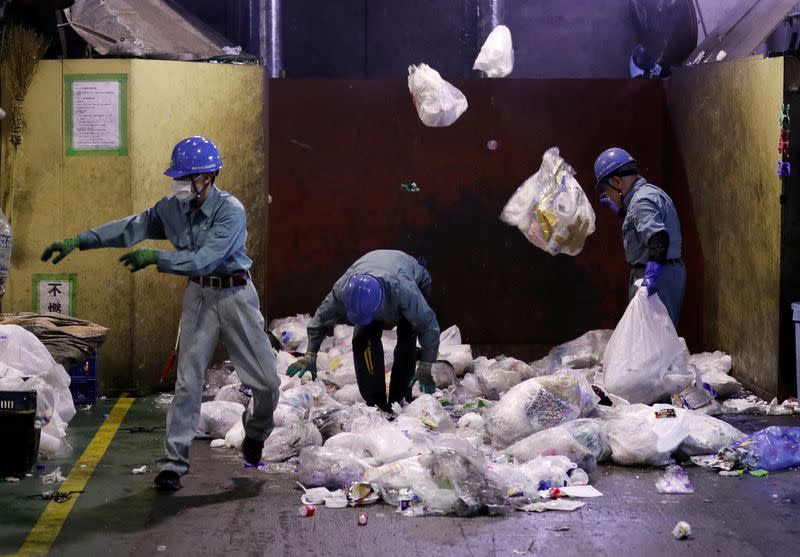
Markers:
<point>682,530</point>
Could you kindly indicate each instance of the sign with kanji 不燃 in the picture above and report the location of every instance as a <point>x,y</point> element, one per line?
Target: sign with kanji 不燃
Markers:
<point>54,294</point>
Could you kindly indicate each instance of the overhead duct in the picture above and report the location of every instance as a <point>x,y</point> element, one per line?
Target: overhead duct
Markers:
<point>742,32</point>
<point>144,29</point>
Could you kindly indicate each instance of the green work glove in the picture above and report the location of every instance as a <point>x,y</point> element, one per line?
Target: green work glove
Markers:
<point>425,378</point>
<point>139,259</point>
<point>63,248</point>
<point>304,364</point>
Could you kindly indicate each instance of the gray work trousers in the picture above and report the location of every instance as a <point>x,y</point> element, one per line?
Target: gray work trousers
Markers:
<point>671,285</point>
<point>209,313</point>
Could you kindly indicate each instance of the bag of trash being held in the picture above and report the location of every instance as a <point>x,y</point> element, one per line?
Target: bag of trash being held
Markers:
<point>644,361</point>
<point>551,209</point>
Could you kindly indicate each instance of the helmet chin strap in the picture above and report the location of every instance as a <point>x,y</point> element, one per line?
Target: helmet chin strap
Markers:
<point>197,192</point>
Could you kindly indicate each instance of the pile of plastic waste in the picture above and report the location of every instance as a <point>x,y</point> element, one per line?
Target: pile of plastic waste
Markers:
<point>498,433</point>
<point>27,365</point>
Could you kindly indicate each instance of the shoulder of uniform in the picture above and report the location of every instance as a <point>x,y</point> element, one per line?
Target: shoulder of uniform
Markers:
<point>230,200</point>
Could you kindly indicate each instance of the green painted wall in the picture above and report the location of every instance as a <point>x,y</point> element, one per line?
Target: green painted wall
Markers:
<point>58,196</point>
<point>726,119</point>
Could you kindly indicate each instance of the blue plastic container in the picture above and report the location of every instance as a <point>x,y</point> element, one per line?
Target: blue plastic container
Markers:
<point>83,380</point>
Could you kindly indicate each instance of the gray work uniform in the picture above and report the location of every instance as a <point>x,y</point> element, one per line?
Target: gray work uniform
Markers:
<point>209,240</point>
<point>406,288</point>
<point>648,209</point>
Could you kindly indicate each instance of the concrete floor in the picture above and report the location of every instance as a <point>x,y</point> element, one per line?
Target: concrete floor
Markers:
<point>227,509</point>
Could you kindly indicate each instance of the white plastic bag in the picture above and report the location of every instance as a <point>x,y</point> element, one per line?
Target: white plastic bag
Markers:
<point>714,368</point>
<point>551,209</point>
<point>459,356</point>
<point>707,434</point>
<point>644,360</point>
<point>217,417</point>
<point>641,434</point>
<point>286,442</point>
<point>438,103</point>
<point>496,57</point>
<point>550,442</point>
<point>538,404</point>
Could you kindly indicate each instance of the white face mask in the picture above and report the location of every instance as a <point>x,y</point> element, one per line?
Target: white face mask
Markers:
<point>182,190</point>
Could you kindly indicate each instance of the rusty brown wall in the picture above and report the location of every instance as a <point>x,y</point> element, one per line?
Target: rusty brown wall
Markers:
<point>339,150</point>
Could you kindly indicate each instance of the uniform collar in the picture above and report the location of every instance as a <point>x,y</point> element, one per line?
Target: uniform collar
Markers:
<point>635,186</point>
<point>208,205</point>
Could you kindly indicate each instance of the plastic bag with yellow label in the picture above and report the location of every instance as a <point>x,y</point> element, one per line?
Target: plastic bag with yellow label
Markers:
<point>551,209</point>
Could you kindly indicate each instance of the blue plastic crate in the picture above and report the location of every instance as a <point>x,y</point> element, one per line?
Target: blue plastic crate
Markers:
<point>86,369</point>
<point>84,391</point>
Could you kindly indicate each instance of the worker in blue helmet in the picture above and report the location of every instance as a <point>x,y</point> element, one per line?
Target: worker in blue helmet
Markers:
<point>651,231</point>
<point>383,289</point>
<point>207,227</point>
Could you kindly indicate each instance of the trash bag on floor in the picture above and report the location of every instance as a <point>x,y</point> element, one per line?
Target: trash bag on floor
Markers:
<point>537,404</point>
<point>458,355</point>
<point>714,368</point>
<point>592,434</point>
<point>500,375</point>
<point>674,480</point>
<point>387,444</point>
<point>291,331</point>
<point>450,336</point>
<point>404,474</point>
<point>444,374</point>
<point>329,467</point>
<point>217,417</point>
<point>438,103</point>
<point>218,376</point>
<point>234,393</point>
<point>430,413</point>
<point>584,352</point>
<point>524,481</point>
<point>551,209</point>
<point>293,405</point>
<point>287,441</point>
<point>348,394</point>
<point>461,472</point>
<point>772,448</point>
<point>641,434</point>
<point>550,442</point>
<point>644,360</point>
<point>496,58</point>
<point>707,435</point>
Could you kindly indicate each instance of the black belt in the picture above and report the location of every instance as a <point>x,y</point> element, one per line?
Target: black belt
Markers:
<point>229,281</point>
<point>667,262</point>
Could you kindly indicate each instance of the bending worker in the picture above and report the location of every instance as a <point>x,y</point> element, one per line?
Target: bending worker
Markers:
<point>651,232</point>
<point>208,229</point>
<point>382,289</point>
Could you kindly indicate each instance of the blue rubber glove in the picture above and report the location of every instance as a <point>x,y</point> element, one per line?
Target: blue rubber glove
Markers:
<point>605,201</point>
<point>651,272</point>
<point>425,378</point>
<point>307,363</point>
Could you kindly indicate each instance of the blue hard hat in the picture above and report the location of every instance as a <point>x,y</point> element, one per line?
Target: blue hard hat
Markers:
<point>363,296</point>
<point>608,161</point>
<point>193,155</point>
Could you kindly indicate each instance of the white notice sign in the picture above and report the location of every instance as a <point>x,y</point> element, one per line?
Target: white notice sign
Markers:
<point>95,115</point>
<point>55,297</point>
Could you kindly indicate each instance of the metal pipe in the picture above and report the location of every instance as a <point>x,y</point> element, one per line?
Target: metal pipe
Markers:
<point>271,36</point>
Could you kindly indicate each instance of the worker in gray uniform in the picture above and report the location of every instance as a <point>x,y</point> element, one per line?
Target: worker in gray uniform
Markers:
<point>383,289</point>
<point>207,226</point>
<point>651,231</point>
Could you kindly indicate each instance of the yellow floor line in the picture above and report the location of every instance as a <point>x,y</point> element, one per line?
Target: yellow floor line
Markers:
<point>49,525</point>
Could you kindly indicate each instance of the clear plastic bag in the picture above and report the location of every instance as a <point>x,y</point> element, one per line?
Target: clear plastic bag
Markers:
<point>674,480</point>
<point>500,375</point>
<point>218,376</point>
<point>550,442</point>
<point>286,442</point>
<point>641,434</point>
<point>333,468</point>
<point>217,417</point>
<point>496,57</point>
<point>538,404</point>
<point>551,209</point>
<point>644,360</point>
<point>438,103</point>
<point>707,434</point>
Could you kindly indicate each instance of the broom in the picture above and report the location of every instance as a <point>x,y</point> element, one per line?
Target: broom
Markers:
<point>21,49</point>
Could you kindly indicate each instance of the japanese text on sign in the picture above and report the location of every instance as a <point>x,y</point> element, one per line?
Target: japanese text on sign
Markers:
<point>96,115</point>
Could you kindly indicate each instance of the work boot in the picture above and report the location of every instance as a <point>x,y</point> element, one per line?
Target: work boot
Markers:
<point>167,480</point>
<point>251,451</point>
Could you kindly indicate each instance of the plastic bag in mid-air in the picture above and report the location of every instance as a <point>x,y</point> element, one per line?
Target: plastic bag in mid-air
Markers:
<point>438,103</point>
<point>496,57</point>
<point>644,360</point>
<point>551,209</point>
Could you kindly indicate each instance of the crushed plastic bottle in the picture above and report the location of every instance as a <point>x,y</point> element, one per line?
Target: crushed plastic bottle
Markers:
<point>6,241</point>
